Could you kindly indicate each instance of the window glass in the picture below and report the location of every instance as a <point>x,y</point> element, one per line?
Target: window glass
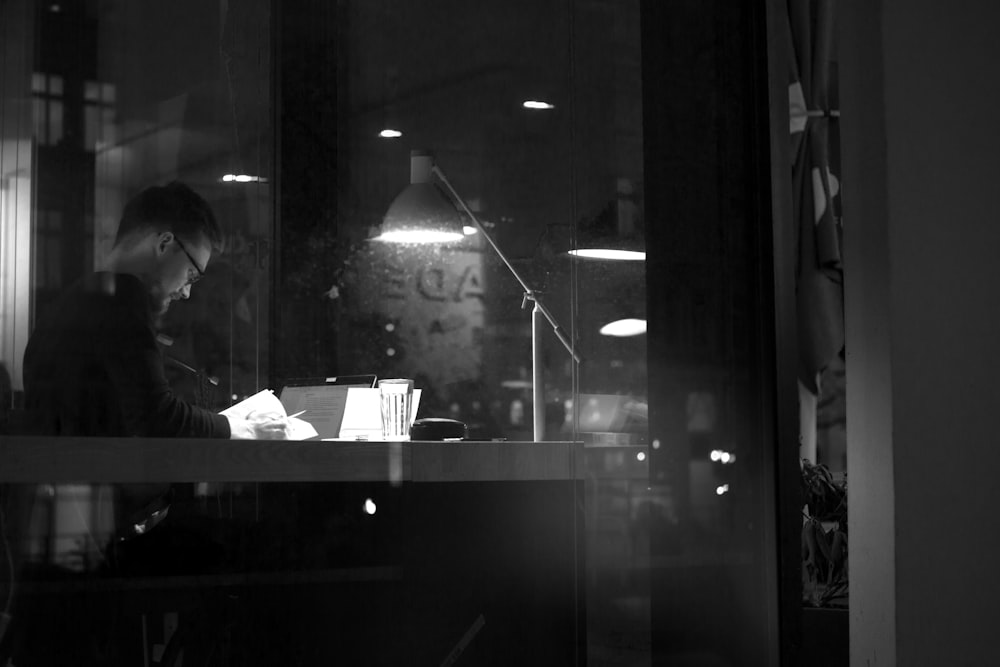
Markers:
<point>125,96</point>
<point>532,134</point>
<point>532,115</point>
<point>307,127</point>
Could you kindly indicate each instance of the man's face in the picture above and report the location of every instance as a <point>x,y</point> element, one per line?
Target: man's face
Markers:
<point>179,264</point>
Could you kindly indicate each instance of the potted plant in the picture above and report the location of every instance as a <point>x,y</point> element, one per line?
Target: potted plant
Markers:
<point>824,538</point>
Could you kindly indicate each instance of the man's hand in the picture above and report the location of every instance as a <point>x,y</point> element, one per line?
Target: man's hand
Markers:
<point>259,426</point>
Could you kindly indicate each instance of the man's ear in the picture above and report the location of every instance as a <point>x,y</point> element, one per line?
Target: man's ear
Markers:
<point>163,240</point>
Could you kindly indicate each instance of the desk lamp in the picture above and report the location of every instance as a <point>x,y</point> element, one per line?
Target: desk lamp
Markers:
<point>614,234</point>
<point>422,213</point>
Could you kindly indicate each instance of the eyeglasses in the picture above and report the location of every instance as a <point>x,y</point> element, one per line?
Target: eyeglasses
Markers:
<point>194,279</point>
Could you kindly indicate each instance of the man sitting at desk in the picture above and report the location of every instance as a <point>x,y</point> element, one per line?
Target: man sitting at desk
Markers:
<point>93,368</point>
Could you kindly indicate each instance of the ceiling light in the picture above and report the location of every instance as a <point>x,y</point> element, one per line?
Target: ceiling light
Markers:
<point>610,253</point>
<point>624,328</point>
<point>242,178</point>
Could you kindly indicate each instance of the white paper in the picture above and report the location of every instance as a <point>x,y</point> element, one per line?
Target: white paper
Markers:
<point>265,401</point>
<point>300,429</point>
<point>363,414</point>
<point>323,405</point>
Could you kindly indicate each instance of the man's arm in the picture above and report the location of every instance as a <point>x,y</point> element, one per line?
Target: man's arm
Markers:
<point>149,406</point>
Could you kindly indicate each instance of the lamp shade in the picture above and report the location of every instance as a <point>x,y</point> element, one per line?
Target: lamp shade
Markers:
<point>421,213</point>
<point>616,233</point>
<point>624,328</point>
<point>606,251</point>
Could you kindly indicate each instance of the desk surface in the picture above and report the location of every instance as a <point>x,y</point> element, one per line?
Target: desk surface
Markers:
<point>125,460</point>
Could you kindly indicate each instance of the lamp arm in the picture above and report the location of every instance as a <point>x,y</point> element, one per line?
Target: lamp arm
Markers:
<point>528,292</point>
<point>461,202</point>
<point>556,329</point>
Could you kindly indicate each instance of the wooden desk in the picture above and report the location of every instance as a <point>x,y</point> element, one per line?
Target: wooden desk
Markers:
<point>137,460</point>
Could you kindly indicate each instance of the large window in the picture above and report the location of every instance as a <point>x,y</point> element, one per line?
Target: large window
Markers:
<point>602,158</point>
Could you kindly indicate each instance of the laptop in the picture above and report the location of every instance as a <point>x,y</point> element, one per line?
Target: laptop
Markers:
<point>323,399</point>
<point>611,413</point>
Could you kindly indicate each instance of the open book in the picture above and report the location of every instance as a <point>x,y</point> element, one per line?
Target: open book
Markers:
<point>266,401</point>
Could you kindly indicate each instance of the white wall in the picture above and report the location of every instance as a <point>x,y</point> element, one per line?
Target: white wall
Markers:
<point>922,245</point>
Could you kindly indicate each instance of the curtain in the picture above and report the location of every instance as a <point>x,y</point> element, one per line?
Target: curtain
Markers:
<point>815,165</point>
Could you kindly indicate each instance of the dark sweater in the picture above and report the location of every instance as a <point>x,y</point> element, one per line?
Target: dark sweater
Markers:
<point>93,368</point>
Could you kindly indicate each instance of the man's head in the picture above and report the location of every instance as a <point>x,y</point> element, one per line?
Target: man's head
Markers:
<point>166,237</point>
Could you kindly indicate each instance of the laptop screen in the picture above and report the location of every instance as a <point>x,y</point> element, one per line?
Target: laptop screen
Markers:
<point>323,400</point>
<point>611,413</point>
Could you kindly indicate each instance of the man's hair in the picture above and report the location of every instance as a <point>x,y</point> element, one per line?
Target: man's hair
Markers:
<point>173,207</point>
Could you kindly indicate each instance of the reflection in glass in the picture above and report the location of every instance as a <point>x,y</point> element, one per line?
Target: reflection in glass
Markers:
<point>536,110</point>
